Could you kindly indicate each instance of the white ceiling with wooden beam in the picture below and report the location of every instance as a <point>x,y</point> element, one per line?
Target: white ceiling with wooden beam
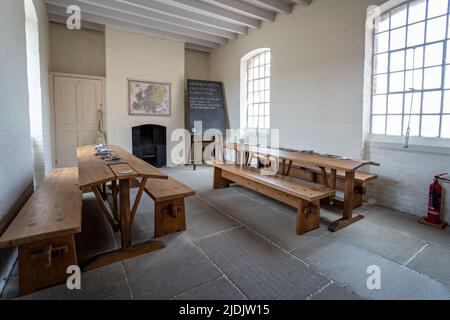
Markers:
<point>201,24</point>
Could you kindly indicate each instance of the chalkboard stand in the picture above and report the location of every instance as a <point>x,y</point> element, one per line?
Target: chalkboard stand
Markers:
<point>192,156</point>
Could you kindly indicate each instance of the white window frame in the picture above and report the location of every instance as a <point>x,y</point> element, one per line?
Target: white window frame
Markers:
<point>245,129</point>
<point>388,8</point>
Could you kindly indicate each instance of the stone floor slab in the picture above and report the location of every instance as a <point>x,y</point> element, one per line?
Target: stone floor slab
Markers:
<point>260,270</point>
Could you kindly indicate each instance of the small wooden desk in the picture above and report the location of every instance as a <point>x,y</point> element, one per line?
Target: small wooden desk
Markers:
<point>94,174</point>
<point>287,158</point>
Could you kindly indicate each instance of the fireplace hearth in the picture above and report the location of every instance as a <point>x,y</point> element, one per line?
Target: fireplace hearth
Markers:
<point>149,144</point>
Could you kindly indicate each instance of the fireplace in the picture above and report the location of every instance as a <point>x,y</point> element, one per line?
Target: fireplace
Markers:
<point>149,144</point>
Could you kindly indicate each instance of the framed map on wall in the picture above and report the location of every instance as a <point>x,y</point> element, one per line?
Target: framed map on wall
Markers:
<point>149,98</point>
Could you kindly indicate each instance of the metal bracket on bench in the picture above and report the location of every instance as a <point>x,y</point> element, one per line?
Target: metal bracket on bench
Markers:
<point>47,254</point>
<point>174,211</point>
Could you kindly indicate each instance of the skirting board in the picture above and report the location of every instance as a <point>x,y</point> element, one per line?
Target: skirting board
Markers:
<point>9,257</point>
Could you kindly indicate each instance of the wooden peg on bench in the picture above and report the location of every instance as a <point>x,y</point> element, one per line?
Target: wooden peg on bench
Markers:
<point>47,253</point>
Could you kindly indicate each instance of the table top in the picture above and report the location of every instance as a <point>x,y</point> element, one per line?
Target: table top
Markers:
<point>347,165</point>
<point>94,171</point>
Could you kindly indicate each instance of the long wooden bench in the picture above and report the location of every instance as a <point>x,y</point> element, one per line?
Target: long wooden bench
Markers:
<point>304,196</point>
<point>44,231</point>
<point>314,174</point>
<point>169,196</point>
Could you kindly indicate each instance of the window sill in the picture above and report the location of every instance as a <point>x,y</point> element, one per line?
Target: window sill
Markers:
<point>416,144</point>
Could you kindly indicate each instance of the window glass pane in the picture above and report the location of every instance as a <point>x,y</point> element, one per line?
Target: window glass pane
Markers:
<point>267,125</point>
<point>267,109</point>
<point>432,78</point>
<point>414,125</point>
<point>262,71</point>
<point>398,38</point>
<point>380,84</point>
<point>256,97</point>
<point>434,54</point>
<point>394,125</point>
<point>447,101</point>
<point>262,59</point>
<point>416,103</point>
<point>262,122</point>
<point>382,42</point>
<point>448,52</point>
<point>383,23</point>
<point>251,110</point>
<point>437,7</point>
<point>448,30</point>
<point>432,102</point>
<point>416,34</point>
<point>267,72</point>
<point>417,10</point>
<point>379,104</point>
<point>413,82</point>
<point>256,61</point>
<point>430,126</point>
<point>447,77</point>
<point>258,90</point>
<point>395,104</point>
<point>445,127</point>
<point>398,61</point>
<point>398,17</point>
<point>381,63</point>
<point>379,124</point>
<point>396,81</point>
<point>436,29</point>
<point>414,58</point>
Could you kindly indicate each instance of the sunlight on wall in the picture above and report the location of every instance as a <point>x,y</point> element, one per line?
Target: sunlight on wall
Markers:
<point>34,89</point>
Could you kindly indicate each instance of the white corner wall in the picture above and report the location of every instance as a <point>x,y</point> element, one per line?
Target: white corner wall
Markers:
<point>197,65</point>
<point>77,51</point>
<point>43,160</point>
<point>317,74</point>
<point>16,171</point>
<point>139,57</point>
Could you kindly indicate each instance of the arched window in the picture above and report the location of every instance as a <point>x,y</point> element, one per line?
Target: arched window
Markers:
<point>411,70</point>
<point>256,83</point>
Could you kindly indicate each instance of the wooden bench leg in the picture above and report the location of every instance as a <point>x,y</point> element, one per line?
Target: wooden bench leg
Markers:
<point>358,195</point>
<point>308,216</point>
<point>219,181</point>
<point>170,217</point>
<point>44,263</point>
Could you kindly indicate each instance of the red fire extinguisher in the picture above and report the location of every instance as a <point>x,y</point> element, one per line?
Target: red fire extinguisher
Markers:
<point>436,200</point>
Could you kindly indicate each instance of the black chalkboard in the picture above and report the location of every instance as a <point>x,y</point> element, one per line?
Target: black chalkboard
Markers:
<point>206,103</point>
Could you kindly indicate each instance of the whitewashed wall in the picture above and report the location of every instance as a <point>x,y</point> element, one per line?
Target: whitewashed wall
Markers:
<point>77,51</point>
<point>317,74</point>
<point>138,57</point>
<point>196,65</point>
<point>16,170</point>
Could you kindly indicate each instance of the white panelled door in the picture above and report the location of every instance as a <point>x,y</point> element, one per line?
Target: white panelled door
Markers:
<point>77,102</point>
